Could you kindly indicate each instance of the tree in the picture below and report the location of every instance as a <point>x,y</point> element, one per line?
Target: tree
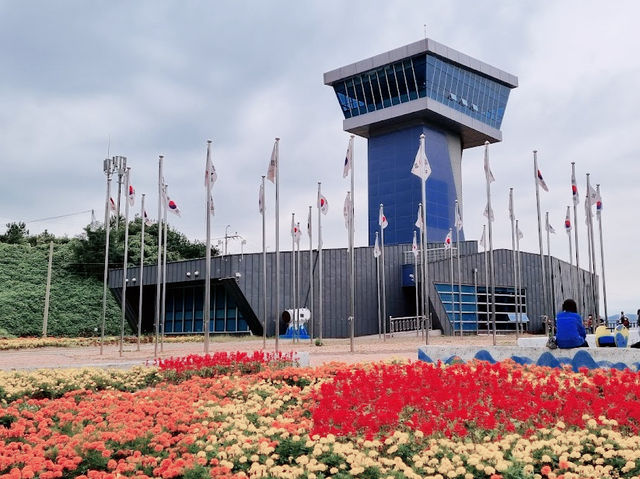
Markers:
<point>16,233</point>
<point>89,247</point>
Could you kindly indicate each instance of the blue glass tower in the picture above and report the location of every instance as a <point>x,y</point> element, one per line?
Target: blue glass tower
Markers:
<point>425,87</point>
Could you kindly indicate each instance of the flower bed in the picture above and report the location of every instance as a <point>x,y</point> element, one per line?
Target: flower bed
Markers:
<point>63,342</point>
<point>399,421</point>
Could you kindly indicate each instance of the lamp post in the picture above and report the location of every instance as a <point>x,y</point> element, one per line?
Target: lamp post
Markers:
<point>109,168</point>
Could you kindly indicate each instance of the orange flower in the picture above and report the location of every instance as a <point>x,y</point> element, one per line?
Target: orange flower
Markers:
<point>545,471</point>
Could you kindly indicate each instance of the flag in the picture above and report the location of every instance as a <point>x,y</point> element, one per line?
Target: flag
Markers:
<point>348,159</point>
<point>519,233</point>
<point>587,213</point>
<point>261,199</point>
<point>309,223</point>
<point>346,209</point>
<point>376,248</point>
<point>147,220</point>
<point>488,213</point>
<point>567,221</point>
<point>483,239</point>
<point>419,220</point>
<point>421,167</point>
<point>414,245</point>
<point>172,207</point>
<point>297,233</point>
<point>382,219</point>
<point>548,227</point>
<point>541,182</point>
<point>323,204</point>
<point>112,205</point>
<point>598,204</point>
<point>210,175</point>
<point>574,189</point>
<point>273,164</point>
<point>512,214</point>
<point>131,197</point>
<point>447,241</point>
<point>293,228</point>
<point>212,206</point>
<point>487,168</point>
<point>458,221</point>
<point>593,195</point>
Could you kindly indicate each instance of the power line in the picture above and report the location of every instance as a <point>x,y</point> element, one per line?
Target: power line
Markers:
<point>59,216</point>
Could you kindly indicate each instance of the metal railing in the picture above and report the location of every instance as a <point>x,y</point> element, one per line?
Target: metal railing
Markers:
<point>406,323</point>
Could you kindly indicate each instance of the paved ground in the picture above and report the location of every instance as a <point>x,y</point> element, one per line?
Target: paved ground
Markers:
<point>367,348</point>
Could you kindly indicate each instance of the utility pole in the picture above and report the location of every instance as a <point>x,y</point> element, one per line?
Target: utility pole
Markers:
<point>48,291</point>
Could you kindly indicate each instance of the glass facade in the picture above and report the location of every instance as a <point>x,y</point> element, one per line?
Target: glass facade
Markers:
<point>424,75</point>
<point>184,314</point>
<point>475,312</point>
<point>390,157</point>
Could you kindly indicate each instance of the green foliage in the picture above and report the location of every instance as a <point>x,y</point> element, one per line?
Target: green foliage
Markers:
<point>288,450</point>
<point>75,307</point>
<point>88,248</point>
<point>75,303</point>
<point>16,233</point>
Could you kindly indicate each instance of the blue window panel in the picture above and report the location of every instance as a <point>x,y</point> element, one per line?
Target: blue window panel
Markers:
<point>391,157</point>
<point>168,326</point>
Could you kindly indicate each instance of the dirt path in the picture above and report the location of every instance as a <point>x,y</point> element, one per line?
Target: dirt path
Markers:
<point>367,348</point>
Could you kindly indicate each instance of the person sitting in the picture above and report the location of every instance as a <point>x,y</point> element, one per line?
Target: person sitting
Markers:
<point>570,332</point>
<point>624,320</point>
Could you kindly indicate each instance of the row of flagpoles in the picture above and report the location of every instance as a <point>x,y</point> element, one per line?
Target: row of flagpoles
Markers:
<point>421,168</point>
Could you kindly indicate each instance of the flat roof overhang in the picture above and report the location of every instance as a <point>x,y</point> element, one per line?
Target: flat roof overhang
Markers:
<point>416,48</point>
<point>423,111</point>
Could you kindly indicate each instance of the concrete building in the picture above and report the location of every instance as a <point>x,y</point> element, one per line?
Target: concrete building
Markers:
<point>237,296</point>
<point>458,102</point>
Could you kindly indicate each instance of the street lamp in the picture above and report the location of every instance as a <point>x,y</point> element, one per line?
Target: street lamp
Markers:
<point>226,238</point>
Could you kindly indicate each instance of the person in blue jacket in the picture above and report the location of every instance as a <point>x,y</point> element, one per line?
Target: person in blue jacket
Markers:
<point>570,332</point>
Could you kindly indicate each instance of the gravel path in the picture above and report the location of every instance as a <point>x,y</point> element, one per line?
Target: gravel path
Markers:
<point>366,348</point>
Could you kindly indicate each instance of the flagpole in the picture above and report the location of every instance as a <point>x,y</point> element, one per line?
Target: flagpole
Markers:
<point>378,287</point>
<point>551,293</point>
<point>264,270</point>
<point>604,284</point>
<point>159,268</point>
<point>293,277</point>
<point>575,230</point>
<point>486,278</point>
<point>491,260</point>
<point>423,285</point>
<point>108,167</point>
<point>298,271</point>
<point>513,249</point>
<point>311,305</point>
<point>164,277</point>
<point>415,281</point>
<point>320,293</point>
<point>384,296</point>
<point>457,208</point>
<point>423,193</point>
<point>453,301</point>
<point>277,305</point>
<point>594,288</point>
<point>544,275</point>
<point>520,306</point>
<point>568,217</point>
<point>125,261</point>
<point>207,274</point>
<point>141,275</point>
<point>352,276</point>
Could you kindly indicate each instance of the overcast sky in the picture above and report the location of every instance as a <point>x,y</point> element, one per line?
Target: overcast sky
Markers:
<point>81,80</point>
